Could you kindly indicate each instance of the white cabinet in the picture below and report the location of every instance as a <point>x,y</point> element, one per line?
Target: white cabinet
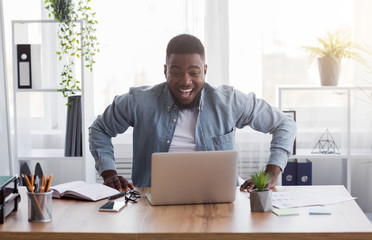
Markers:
<point>39,110</point>
<point>345,111</point>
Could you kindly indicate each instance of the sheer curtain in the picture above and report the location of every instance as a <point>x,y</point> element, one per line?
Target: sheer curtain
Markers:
<point>5,159</point>
<point>362,168</point>
<point>133,37</point>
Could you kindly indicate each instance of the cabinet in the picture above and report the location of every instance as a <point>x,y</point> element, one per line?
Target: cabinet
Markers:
<point>345,111</point>
<point>39,110</point>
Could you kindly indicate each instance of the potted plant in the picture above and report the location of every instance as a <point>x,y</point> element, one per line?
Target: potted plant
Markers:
<point>68,13</point>
<point>261,198</point>
<point>333,47</point>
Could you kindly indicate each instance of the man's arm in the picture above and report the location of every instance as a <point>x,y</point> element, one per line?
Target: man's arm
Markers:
<point>262,117</point>
<point>113,121</point>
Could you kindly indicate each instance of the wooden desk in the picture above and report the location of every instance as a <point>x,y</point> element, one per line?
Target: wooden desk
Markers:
<point>81,220</point>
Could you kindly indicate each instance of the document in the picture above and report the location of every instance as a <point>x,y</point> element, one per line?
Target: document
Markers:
<point>83,191</point>
<point>302,198</point>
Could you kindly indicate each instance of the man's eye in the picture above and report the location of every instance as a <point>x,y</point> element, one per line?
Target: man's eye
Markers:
<point>194,74</point>
<point>176,74</point>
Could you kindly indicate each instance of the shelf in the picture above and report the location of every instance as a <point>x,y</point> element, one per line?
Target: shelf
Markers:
<point>333,108</point>
<point>304,87</point>
<point>355,153</point>
<point>41,116</point>
<point>43,90</point>
<point>45,154</point>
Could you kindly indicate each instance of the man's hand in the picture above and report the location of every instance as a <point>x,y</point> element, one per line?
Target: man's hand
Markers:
<point>112,179</point>
<point>274,172</point>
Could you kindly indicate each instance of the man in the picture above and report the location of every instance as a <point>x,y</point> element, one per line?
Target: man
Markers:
<point>185,114</point>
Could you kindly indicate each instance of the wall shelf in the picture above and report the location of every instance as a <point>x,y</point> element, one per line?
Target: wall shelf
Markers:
<point>331,107</point>
<point>40,111</point>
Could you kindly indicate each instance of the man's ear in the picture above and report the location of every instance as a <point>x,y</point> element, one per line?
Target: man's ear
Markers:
<point>165,71</point>
<point>205,69</point>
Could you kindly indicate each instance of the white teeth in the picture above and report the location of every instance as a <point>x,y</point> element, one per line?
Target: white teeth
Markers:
<point>185,90</point>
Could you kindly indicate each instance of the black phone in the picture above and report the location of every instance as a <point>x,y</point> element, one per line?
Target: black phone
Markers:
<point>114,206</point>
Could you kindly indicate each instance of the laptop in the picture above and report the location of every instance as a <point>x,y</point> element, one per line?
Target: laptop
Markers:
<point>193,177</point>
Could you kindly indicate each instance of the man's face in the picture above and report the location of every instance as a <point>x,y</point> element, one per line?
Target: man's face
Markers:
<point>185,74</point>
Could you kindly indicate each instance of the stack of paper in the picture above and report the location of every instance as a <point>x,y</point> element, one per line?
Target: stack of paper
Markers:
<point>302,198</point>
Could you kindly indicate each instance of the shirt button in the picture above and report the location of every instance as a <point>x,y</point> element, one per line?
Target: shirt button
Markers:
<point>174,120</point>
<point>168,141</point>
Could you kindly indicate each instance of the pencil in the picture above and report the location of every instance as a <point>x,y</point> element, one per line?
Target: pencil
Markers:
<point>43,184</point>
<point>29,184</point>
<point>32,181</point>
<point>48,185</point>
<point>35,199</point>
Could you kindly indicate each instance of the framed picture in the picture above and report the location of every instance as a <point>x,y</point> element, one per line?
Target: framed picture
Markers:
<point>292,114</point>
<point>24,65</point>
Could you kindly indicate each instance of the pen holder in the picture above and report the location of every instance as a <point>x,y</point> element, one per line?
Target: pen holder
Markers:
<point>39,207</point>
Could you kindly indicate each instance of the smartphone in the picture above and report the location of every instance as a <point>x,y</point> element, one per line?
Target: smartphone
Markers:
<point>114,206</point>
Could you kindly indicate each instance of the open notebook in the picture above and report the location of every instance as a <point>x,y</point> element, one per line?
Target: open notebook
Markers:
<point>83,191</point>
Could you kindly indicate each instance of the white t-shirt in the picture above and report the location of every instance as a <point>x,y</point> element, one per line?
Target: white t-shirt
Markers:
<point>184,134</point>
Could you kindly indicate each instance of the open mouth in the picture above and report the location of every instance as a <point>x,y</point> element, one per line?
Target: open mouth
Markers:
<point>185,93</point>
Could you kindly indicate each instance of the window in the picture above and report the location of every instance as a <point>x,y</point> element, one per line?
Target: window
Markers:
<point>266,40</point>
<point>133,37</point>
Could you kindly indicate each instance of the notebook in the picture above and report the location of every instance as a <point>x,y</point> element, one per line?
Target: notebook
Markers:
<point>193,177</point>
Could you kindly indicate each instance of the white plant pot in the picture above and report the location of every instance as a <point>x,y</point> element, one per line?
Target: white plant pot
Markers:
<point>261,201</point>
<point>329,70</point>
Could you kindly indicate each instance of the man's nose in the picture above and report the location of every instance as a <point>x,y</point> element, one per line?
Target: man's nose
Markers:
<point>186,79</point>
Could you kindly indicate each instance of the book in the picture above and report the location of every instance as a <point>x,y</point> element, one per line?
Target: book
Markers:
<point>83,191</point>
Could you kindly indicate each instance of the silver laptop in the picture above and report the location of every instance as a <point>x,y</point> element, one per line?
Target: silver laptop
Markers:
<point>193,177</point>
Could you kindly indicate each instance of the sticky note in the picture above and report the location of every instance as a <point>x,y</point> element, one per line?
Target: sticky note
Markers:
<point>285,211</point>
<point>319,211</point>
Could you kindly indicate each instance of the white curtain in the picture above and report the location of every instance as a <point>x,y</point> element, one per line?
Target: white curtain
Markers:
<point>5,159</point>
<point>217,41</point>
<point>362,168</point>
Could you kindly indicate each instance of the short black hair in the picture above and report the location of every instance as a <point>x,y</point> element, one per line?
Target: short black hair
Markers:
<point>185,44</point>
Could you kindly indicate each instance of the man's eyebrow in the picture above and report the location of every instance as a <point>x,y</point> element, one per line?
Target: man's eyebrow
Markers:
<point>194,66</point>
<point>178,67</point>
<point>175,66</point>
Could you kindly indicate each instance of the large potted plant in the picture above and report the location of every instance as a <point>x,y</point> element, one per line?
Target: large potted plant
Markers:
<point>261,198</point>
<point>331,49</point>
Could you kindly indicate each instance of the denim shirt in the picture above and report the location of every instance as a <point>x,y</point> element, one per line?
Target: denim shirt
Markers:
<point>152,113</point>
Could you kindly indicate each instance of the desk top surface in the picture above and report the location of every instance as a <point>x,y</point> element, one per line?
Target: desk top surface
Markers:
<point>213,221</point>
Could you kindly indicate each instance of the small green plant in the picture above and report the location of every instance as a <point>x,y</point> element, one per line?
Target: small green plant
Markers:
<point>260,179</point>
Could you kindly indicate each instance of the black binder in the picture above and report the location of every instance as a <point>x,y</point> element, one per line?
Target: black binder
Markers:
<point>289,175</point>
<point>9,196</point>
<point>304,172</point>
<point>297,172</point>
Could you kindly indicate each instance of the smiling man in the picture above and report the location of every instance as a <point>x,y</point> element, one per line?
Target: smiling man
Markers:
<point>185,114</point>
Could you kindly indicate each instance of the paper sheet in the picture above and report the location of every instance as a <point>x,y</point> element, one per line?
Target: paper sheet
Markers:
<point>302,198</point>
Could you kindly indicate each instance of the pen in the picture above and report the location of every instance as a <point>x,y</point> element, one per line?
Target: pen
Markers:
<point>117,195</point>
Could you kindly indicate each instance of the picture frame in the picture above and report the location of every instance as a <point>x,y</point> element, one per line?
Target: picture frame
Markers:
<point>24,66</point>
